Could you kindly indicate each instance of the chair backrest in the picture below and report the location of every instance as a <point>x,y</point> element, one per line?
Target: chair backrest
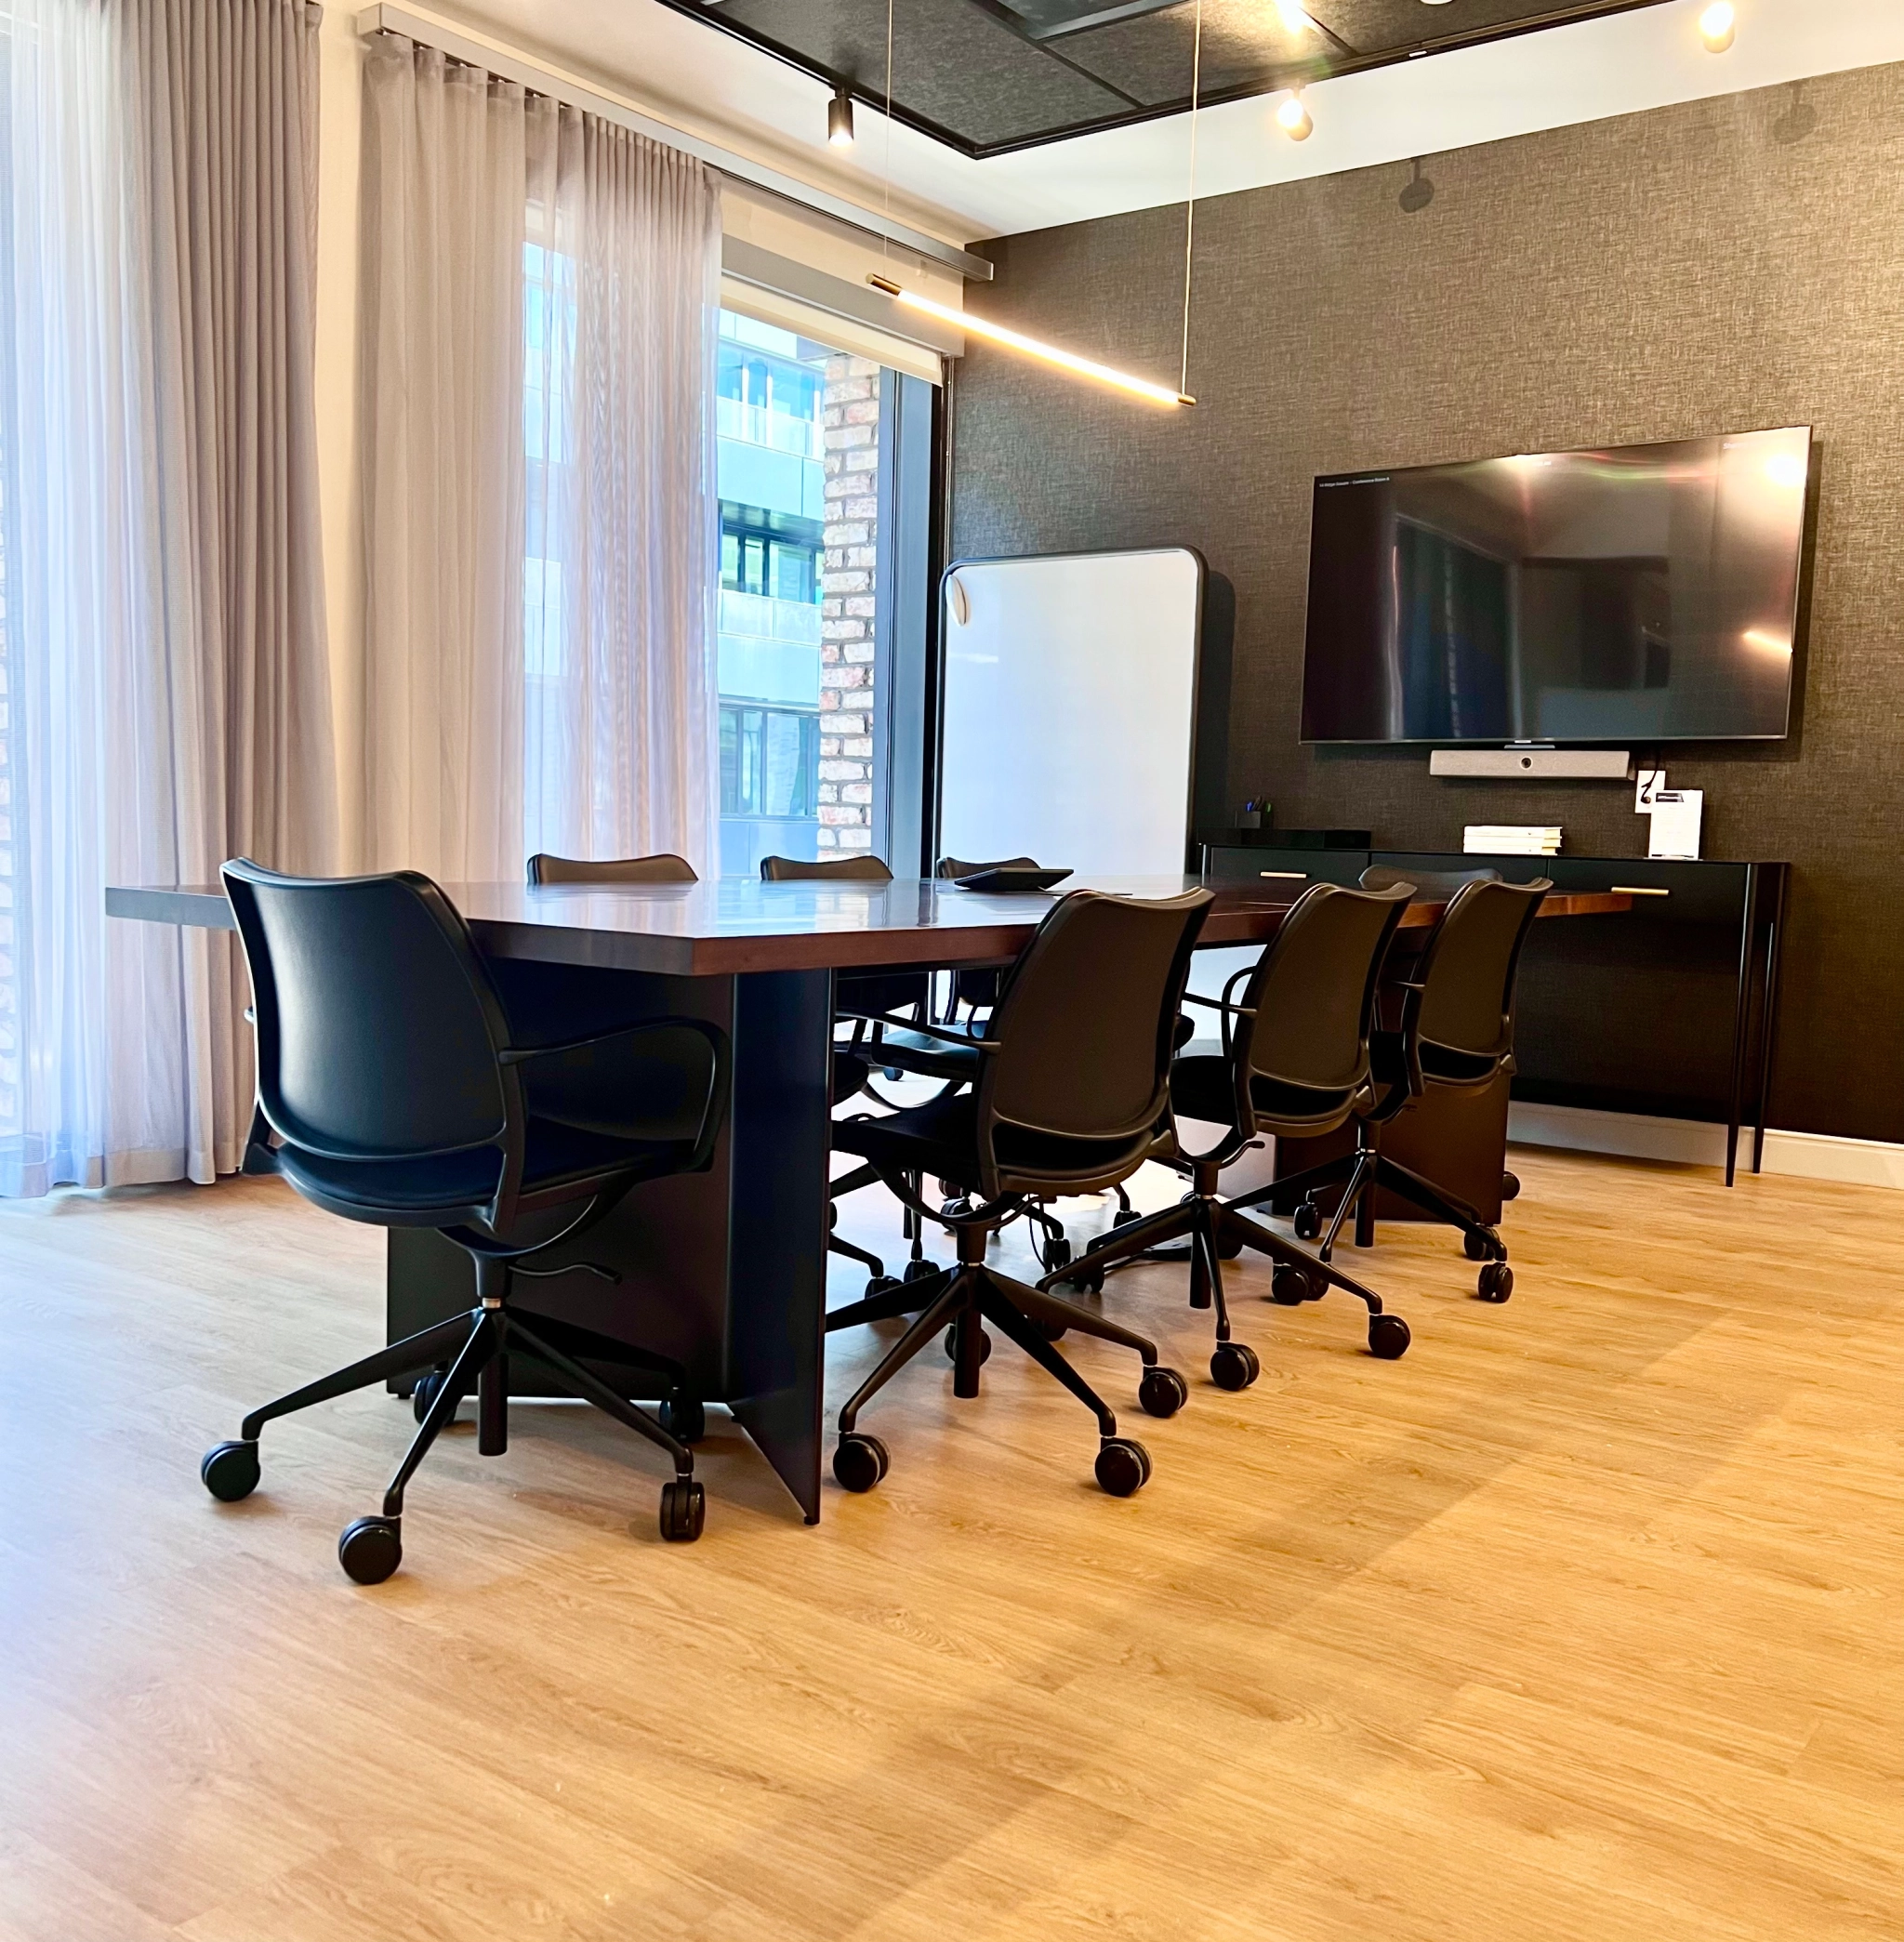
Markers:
<point>1471,966</point>
<point>794,869</point>
<point>1312,993</point>
<point>1086,1025</point>
<point>1430,884</point>
<point>665,869</point>
<point>951,869</point>
<point>378,1027</point>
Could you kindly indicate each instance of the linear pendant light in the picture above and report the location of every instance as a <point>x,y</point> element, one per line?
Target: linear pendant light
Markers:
<point>1017,340</point>
<point>1032,346</point>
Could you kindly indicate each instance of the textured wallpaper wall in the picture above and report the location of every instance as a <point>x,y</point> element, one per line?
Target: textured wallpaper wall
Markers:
<point>1713,267</point>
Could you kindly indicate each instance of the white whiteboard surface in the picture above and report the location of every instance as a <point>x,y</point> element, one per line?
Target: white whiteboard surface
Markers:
<point>1070,691</point>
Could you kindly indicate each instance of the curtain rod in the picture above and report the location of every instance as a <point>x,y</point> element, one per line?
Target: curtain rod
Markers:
<point>384,19</point>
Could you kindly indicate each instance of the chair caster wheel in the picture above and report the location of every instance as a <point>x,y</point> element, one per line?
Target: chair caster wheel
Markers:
<point>684,1509</point>
<point>1123,1466</point>
<point>1234,1365</point>
<point>1484,1246</point>
<point>1496,1282</point>
<point>1289,1287</point>
<point>1088,1281</point>
<point>985,1344</point>
<point>1388,1336</point>
<point>1509,1187</point>
<point>878,1285</point>
<point>1125,1216</point>
<point>684,1418</point>
<point>859,1461</point>
<point>1163,1392</point>
<point>921,1270</point>
<point>1228,1248</point>
<point>370,1550</point>
<point>429,1387</point>
<point>230,1471</point>
<point>954,1205</point>
<point>1055,1254</point>
<point>1053,1332</point>
<point>1308,1222</point>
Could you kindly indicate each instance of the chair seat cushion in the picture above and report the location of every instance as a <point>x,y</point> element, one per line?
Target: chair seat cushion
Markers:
<point>941,1138</point>
<point>452,1185</point>
<point>1201,1088</point>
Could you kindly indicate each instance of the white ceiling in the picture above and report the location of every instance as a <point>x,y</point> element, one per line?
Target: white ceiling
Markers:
<point>718,87</point>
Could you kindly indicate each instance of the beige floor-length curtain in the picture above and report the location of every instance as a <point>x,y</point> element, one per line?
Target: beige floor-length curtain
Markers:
<point>168,693</point>
<point>541,312</point>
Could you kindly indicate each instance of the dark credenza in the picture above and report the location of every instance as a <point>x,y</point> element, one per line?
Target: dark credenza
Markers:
<point>1667,1009</point>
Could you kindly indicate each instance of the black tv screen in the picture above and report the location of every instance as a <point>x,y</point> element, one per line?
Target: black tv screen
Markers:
<point>1633,594</point>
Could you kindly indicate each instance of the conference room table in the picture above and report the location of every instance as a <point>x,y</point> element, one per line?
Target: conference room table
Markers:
<point>726,1271</point>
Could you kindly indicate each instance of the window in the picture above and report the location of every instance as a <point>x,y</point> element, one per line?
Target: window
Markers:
<point>806,463</point>
<point>802,449</point>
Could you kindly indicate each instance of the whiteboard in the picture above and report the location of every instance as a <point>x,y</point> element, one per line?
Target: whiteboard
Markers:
<point>1069,708</point>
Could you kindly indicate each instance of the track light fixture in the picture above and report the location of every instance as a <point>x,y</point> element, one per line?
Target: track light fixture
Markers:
<point>1717,26</point>
<point>1293,117</point>
<point>839,120</point>
<point>1294,19</point>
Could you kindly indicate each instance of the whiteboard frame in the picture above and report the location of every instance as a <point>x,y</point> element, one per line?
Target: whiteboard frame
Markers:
<point>1196,673</point>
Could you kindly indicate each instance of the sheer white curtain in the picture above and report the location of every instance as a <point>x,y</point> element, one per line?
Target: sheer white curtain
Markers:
<point>166,695</point>
<point>542,525</point>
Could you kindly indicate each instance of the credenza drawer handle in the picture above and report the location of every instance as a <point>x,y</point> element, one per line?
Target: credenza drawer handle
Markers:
<point>1636,889</point>
<point>1294,876</point>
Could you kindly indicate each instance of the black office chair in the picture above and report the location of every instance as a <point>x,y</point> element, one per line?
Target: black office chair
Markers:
<point>1296,1064</point>
<point>853,868</point>
<point>393,1088</point>
<point>1073,1097</point>
<point>664,868</point>
<point>1456,1034</point>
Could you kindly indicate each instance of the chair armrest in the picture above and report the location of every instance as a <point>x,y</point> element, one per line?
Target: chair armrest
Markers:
<point>1191,998</point>
<point>963,1039</point>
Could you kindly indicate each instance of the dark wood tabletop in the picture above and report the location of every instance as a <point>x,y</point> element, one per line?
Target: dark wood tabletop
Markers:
<point>737,924</point>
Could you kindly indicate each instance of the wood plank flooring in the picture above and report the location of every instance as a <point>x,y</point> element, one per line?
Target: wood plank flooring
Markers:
<point>1581,1621</point>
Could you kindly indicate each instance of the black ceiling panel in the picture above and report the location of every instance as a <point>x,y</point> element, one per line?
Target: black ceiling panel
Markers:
<point>1149,55</point>
<point>986,76</point>
<point>955,66</point>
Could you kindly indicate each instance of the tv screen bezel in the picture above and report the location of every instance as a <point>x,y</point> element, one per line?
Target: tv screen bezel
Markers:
<point>1800,582</point>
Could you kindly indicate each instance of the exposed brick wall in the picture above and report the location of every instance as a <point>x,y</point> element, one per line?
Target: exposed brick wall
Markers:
<point>847,590</point>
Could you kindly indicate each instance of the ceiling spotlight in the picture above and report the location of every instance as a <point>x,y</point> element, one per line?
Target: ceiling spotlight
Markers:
<point>1294,20</point>
<point>1718,25</point>
<point>839,120</point>
<point>1417,192</point>
<point>1293,118</point>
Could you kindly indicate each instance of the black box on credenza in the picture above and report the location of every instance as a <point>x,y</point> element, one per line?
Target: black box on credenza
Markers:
<point>1294,838</point>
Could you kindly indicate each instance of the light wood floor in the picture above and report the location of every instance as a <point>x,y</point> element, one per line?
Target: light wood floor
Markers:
<point>1581,1621</point>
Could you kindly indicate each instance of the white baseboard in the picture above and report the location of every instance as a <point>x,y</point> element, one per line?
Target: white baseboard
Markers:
<point>1694,1142</point>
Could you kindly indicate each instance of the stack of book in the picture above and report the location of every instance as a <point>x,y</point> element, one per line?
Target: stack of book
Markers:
<point>1511,838</point>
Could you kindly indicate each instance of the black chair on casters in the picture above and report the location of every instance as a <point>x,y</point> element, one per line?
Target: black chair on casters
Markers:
<point>1295,1063</point>
<point>398,1094</point>
<point>666,867</point>
<point>1073,1096</point>
<point>1457,1033</point>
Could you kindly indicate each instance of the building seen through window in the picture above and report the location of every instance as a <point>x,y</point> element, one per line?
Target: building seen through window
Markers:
<point>799,426</point>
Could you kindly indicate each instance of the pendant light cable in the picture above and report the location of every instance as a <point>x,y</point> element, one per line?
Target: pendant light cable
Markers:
<point>885,244</point>
<point>1190,197</point>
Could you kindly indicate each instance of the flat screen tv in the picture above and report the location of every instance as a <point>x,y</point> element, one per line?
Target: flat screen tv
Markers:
<point>1634,594</point>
